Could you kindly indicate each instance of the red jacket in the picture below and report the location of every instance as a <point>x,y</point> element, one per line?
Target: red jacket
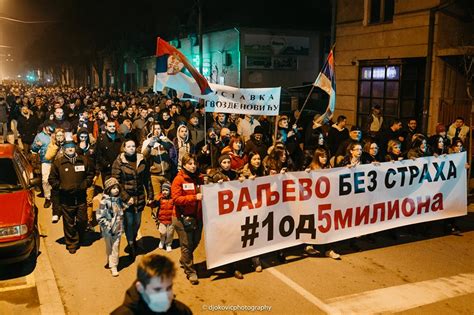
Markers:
<point>183,191</point>
<point>166,209</point>
<point>237,162</point>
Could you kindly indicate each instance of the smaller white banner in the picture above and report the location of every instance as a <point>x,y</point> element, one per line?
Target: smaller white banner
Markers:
<point>228,99</point>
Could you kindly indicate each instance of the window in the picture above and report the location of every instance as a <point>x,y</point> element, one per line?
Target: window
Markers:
<point>397,87</point>
<point>378,85</point>
<point>381,11</point>
<point>8,176</point>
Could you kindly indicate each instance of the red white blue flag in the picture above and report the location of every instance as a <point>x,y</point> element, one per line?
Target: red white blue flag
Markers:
<point>173,70</point>
<point>326,81</point>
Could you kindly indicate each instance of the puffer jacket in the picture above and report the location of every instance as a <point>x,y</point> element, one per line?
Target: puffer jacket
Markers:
<point>45,139</point>
<point>110,215</point>
<point>107,151</point>
<point>183,191</point>
<point>166,209</point>
<point>158,152</point>
<point>134,181</point>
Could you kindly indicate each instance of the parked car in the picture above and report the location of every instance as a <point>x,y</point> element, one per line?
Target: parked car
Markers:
<point>19,234</point>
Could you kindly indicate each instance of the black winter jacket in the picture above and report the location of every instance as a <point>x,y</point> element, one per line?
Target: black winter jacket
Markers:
<point>71,180</point>
<point>134,181</point>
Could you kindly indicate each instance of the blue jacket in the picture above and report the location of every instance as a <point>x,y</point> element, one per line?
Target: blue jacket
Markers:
<point>45,140</point>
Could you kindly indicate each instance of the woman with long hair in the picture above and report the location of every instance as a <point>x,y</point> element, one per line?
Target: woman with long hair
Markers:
<point>132,172</point>
<point>187,218</point>
<point>235,150</point>
<point>321,161</point>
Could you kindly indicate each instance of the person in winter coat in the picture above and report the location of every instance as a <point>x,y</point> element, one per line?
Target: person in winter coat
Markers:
<point>55,151</point>
<point>40,145</point>
<point>110,218</point>
<point>132,171</point>
<point>254,168</point>
<point>107,150</point>
<point>235,150</point>
<point>419,148</point>
<point>224,172</point>
<point>71,174</point>
<point>187,219</point>
<point>4,118</point>
<point>158,150</point>
<point>85,147</point>
<point>152,292</point>
<point>182,144</point>
<point>27,127</point>
<point>196,131</point>
<point>256,143</point>
<point>337,134</point>
<point>163,216</point>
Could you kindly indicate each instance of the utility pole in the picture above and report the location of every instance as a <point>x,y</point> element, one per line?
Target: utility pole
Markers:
<point>199,3</point>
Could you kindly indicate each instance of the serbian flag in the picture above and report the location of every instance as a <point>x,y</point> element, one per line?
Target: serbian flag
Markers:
<point>173,70</point>
<point>326,81</point>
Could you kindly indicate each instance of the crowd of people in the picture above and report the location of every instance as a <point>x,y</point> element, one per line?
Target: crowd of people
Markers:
<point>157,151</point>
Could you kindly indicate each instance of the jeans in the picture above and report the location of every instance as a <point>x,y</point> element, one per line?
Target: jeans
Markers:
<point>189,241</point>
<point>131,222</point>
<point>45,170</point>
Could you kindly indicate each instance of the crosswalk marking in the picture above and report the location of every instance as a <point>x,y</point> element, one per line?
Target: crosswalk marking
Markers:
<point>404,297</point>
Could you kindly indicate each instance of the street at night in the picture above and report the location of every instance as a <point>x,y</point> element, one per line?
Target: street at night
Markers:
<point>209,157</point>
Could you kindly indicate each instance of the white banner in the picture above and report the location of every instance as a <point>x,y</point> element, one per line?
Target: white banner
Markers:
<point>269,213</point>
<point>228,99</point>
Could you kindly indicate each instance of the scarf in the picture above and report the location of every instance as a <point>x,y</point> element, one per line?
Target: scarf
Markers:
<point>71,159</point>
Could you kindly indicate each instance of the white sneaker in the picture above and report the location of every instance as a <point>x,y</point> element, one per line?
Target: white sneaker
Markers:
<point>168,248</point>
<point>332,254</point>
<point>161,245</point>
<point>55,219</point>
<point>310,250</point>
<point>114,271</point>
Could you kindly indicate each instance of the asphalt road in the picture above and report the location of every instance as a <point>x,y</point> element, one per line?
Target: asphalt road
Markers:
<point>431,274</point>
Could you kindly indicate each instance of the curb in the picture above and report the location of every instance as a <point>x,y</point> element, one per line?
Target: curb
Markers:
<point>46,285</point>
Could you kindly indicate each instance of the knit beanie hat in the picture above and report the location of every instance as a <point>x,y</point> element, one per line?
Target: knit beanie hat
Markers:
<point>258,130</point>
<point>166,186</point>
<point>223,157</point>
<point>109,183</point>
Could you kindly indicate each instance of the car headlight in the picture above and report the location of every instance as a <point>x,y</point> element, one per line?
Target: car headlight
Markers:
<point>16,230</point>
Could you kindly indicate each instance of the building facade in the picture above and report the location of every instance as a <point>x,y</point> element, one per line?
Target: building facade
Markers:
<point>244,57</point>
<point>403,56</point>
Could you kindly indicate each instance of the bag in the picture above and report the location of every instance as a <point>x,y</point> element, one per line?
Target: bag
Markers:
<point>189,223</point>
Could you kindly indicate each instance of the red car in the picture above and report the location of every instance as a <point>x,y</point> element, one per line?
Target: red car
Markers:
<point>19,235</point>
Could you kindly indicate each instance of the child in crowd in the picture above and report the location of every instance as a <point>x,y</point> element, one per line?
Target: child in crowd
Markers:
<point>163,216</point>
<point>110,218</point>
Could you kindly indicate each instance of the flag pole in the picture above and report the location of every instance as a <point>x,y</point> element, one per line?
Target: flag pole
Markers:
<point>312,88</point>
<point>276,130</point>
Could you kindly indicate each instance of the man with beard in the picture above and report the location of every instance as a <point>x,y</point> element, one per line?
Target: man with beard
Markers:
<point>59,120</point>
<point>196,131</point>
<point>256,143</point>
<point>107,150</point>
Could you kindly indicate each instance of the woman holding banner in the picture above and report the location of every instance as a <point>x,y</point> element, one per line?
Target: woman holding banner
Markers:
<point>222,174</point>
<point>320,161</point>
<point>187,218</point>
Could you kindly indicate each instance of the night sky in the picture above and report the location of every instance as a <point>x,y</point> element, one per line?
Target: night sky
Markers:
<point>91,23</point>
